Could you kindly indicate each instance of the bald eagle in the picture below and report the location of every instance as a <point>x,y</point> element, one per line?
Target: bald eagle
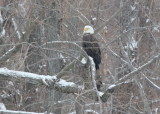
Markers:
<point>92,48</point>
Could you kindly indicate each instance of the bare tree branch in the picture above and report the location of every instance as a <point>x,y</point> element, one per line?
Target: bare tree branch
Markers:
<point>16,48</point>
<point>111,18</point>
<point>122,80</point>
<point>48,81</point>
<point>152,84</point>
<point>70,65</point>
<point>136,71</point>
<point>62,85</point>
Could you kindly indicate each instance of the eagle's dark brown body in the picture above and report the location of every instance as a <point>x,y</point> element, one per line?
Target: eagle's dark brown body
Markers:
<point>91,46</point>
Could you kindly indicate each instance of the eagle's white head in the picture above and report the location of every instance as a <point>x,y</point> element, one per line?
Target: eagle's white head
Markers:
<point>88,30</point>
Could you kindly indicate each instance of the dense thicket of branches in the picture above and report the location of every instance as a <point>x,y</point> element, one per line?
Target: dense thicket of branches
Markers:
<point>40,56</point>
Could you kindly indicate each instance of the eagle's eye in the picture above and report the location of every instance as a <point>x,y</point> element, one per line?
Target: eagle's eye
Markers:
<point>85,29</point>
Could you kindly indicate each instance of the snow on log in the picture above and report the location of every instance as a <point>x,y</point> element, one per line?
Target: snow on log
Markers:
<point>61,85</point>
<point>17,47</point>
<point>17,112</point>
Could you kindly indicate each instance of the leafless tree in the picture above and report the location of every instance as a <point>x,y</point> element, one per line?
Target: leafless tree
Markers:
<point>41,56</point>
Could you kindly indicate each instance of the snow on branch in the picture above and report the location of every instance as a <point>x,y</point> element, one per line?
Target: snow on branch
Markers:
<point>18,112</point>
<point>16,28</point>
<point>2,106</point>
<point>51,81</point>
<point>61,85</point>
<point>70,87</point>
<point>91,111</point>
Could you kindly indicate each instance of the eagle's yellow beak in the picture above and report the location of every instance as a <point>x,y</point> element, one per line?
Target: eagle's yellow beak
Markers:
<point>85,29</point>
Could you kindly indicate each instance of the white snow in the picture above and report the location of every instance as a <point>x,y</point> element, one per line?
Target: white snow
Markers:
<point>94,18</point>
<point>17,91</point>
<point>132,19</point>
<point>156,29</point>
<point>18,112</point>
<point>84,60</point>
<point>8,60</point>
<point>96,103</point>
<point>44,78</point>
<point>16,28</point>
<point>92,111</point>
<point>36,89</point>
<point>65,25</point>
<point>3,32</point>
<point>42,66</point>
<point>133,8</point>
<point>134,43</point>
<point>72,112</point>
<point>23,32</point>
<point>125,52</point>
<point>11,83</point>
<point>100,93</point>
<point>111,86</point>
<point>156,110</point>
<point>64,83</point>
<point>1,19</point>
<point>124,31</point>
<point>21,74</point>
<point>2,106</point>
<point>147,20</point>
<point>62,57</point>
